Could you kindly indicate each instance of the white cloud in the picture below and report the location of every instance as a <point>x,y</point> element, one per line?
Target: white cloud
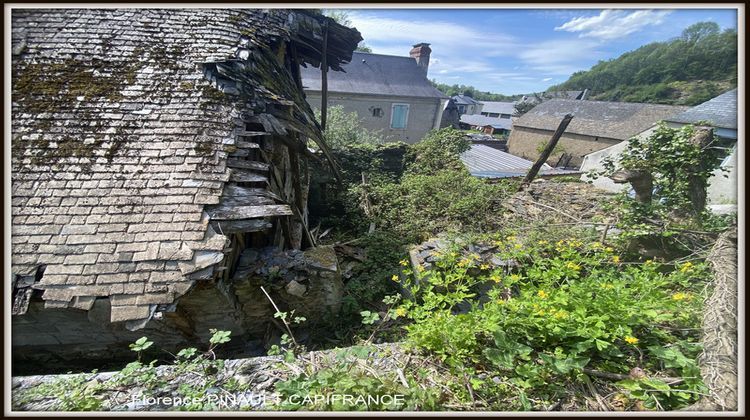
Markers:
<point>612,24</point>
<point>546,79</point>
<point>561,57</point>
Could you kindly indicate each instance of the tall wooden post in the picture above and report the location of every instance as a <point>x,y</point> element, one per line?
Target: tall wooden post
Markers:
<point>324,81</point>
<point>546,152</point>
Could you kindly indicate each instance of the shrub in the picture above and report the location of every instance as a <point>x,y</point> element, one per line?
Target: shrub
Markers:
<point>568,306</point>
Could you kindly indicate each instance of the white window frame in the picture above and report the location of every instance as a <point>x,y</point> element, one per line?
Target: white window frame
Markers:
<point>406,120</point>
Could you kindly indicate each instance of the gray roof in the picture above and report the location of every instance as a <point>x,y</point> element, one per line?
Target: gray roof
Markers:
<point>465,100</point>
<point>499,107</point>
<point>126,128</point>
<point>481,120</point>
<point>721,111</point>
<point>375,74</point>
<point>615,120</point>
<point>487,162</point>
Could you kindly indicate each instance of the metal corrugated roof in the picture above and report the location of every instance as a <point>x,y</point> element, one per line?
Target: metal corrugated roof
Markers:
<point>499,107</point>
<point>375,74</point>
<point>481,120</point>
<point>721,111</point>
<point>484,160</point>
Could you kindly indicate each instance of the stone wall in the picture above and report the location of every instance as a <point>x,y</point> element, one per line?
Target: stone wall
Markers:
<point>525,141</point>
<point>308,282</point>
<point>424,113</point>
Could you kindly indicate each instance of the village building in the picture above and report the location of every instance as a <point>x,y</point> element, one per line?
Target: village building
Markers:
<point>596,125</point>
<point>390,94</point>
<point>159,166</point>
<point>721,114</point>
<point>501,110</point>
<point>467,105</point>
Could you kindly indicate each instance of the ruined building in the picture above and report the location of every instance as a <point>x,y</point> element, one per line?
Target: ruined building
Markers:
<point>159,176</point>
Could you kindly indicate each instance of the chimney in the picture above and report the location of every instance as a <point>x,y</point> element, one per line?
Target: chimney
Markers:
<point>421,53</point>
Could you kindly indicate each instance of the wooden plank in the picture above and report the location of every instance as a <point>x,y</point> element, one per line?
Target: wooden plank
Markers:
<point>252,133</point>
<point>546,152</point>
<point>228,201</point>
<point>249,212</point>
<point>246,145</point>
<point>242,175</point>
<point>247,164</point>
<point>240,226</point>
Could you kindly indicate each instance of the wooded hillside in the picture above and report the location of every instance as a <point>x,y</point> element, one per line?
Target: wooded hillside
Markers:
<point>688,70</point>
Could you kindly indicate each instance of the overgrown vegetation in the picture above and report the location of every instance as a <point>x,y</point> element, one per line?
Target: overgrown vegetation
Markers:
<point>688,70</point>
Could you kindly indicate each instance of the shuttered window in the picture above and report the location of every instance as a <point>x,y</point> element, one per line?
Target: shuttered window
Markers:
<point>399,115</point>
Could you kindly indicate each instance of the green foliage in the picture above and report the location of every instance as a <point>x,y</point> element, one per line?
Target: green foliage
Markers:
<point>567,306</point>
<point>471,91</point>
<point>220,337</point>
<point>345,129</point>
<point>648,74</point>
<point>438,150</point>
<point>673,161</point>
<point>71,393</point>
<point>140,345</point>
<point>369,318</point>
<point>346,376</point>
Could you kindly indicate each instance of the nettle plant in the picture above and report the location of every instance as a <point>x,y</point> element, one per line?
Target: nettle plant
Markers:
<point>566,306</point>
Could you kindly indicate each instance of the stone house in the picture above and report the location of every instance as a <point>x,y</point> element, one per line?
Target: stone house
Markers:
<point>390,94</point>
<point>721,113</point>
<point>159,165</point>
<point>596,125</point>
<point>467,105</point>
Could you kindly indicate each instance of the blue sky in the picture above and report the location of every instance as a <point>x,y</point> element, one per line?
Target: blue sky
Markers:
<point>515,51</point>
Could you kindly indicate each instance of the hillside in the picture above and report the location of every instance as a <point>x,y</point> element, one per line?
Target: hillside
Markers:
<point>688,70</point>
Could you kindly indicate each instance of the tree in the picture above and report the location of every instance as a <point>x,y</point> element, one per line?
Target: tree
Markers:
<point>345,129</point>
<point>699,31</point>
<point>341,17</point>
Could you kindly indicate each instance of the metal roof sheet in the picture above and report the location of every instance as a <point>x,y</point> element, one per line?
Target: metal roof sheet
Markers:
<point>721,111</point>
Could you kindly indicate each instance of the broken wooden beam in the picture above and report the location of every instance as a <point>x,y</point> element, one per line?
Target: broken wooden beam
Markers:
<point>248,164</point>
<point>248,212</point>
<point>546,152</point>
<point>240,226</point>
<point>241,175</point>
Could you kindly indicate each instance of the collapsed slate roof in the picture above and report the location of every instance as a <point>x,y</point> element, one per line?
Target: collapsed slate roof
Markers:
<point>375,74</point>
<point>465,100</point>
<point>720,111</point>
<point>615,120</point>
<point>124,127</point>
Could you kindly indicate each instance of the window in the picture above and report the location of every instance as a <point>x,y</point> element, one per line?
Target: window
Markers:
<point>399,115</point>
<point>506,116</point>
<point>377,112</point>
<point>461,109</point>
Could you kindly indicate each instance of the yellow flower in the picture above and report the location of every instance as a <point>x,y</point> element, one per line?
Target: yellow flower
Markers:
<point>560,315</point>
<point>420,268</point>
<point>608,286</point>
<point>616,259</point>
<point>495,278</point>
<point>404,263</point>
<point>394,277</point>
<point>518,246</point>
<point>596,245</point>
<point>680,296</point>
<point>688,266</point>
<point>542,294</point>
<point>484,267</point>
<point>474,256</point>
<point>510,238</point>
<point>573,266</point>
<point>464,262</point>
<point>609,249</point>
<point>514,277</point>
<point>543,242</point>
<point>631,340</point>
<point>400,312</point>
<point>540,313</point>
